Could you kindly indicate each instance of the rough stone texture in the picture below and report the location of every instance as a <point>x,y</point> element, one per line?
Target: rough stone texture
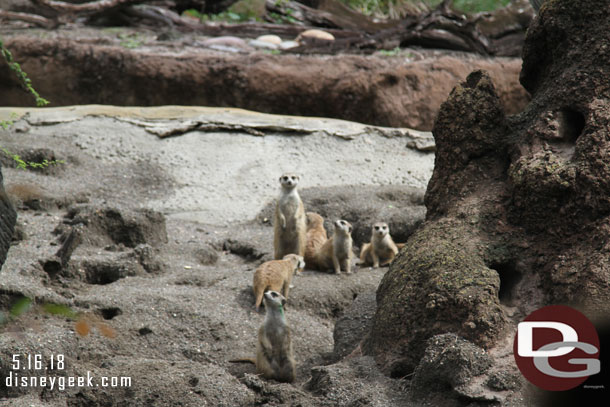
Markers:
<point>8,217</point>
<point>440,282</point>
<point>517,206</point>
<point>368,89</point>
<point>355,382</point>
<point>448,366</point>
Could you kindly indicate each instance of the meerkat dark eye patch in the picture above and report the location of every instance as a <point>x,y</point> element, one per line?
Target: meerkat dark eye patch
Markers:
<point>376,227</point>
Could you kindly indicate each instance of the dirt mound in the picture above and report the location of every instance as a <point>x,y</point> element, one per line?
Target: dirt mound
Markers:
<point>517,206</point>
<point>405,90</point>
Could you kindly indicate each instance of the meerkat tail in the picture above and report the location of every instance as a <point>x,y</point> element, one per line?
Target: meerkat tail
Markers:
<point>243,360</point>
<point>259,299</point>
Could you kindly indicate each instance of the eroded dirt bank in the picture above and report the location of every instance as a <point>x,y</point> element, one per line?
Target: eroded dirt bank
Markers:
<point>136,68</point>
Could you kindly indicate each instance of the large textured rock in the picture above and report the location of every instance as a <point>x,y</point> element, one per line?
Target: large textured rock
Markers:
<point>8,216</point>
<point>448,367</point>
<point>442,282</point>
<point>517,206</point>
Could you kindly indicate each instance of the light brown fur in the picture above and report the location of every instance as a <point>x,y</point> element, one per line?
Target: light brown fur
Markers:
<point>316,237</point>
<point>276,275</point>
<point>336,253</point>
<point>289,227</point>
<point>274,356</point>
<point>381,250</point>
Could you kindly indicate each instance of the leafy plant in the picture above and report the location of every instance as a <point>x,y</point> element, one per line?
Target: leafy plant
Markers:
<point>395,8</point>
<point>83,323</point>
<point>22,76</point>
<point>40,101</point>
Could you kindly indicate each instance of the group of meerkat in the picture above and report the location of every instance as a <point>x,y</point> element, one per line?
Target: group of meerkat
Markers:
<point>300,240</point>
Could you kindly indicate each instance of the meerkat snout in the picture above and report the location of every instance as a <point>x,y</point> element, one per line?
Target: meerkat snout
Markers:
<point>343,226</point>
<point>381,229</point>
<point>289,181</point>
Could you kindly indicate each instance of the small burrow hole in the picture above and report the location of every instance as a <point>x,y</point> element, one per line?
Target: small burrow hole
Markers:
<point>509,278</point>
<point>109,313</point>
<point>571,124</point>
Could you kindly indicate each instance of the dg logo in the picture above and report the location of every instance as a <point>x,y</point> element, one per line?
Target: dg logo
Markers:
<point>556,348</point>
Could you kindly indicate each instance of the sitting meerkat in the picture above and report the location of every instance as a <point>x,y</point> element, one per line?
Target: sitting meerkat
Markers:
<point>289,225</point>
<point>381,250</point>
<point>316,237</point>
<point>336,253</point>
<point>276,275</point>
<point>274,356</point>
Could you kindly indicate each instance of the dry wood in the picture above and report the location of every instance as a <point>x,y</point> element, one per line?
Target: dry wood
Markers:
<point>30,18</point>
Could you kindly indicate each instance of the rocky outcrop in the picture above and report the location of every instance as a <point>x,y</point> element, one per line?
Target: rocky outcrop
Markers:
<point>518,207</point>
<point>8,217</point>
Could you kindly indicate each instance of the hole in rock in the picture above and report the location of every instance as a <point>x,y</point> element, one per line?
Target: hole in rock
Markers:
<point>571,124</point>
<point>509,278</point>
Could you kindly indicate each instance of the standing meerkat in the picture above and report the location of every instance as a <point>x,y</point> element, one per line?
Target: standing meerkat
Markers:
<point>289,226</point>
<point>274,357</point>
<point>316,237</point>
<point>276,275</point>
<point>336,253</point>
<point>382,249</point>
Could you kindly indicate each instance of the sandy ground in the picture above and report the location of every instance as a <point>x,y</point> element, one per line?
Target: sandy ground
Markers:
<point>179,321</point>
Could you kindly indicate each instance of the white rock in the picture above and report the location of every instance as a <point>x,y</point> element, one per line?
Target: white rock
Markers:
<point>288,44</point>
<point>262,44</point>
<point>272,39</point>
<point>316,34</point>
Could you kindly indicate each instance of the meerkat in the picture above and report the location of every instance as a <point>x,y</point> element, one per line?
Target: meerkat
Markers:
<point>382,249</point>
<point>274,357</point>
<point>316,237</point>
<point>276,275</point>
<point>336,253</point>
<point>289,228</point>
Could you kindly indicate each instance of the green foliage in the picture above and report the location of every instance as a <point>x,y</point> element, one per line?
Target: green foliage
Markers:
<point>23,77</point>
<point>475,6</point>
<point>132,40</point>
<point>21,306</point>
<point>385,8</point>
<point>30,164</point>
<point>60,310</point>
<point>5,124</point>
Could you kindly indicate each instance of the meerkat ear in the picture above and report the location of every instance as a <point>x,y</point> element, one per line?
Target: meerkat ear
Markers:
<point>283,301</point>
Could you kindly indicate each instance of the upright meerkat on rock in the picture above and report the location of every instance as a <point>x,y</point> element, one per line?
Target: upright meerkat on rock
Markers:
<point>382,249</point>
<point>276,275</point>
<point>336,253</point>
<point>274,357</point>
<point>289,227</point>
<point>316,237</point>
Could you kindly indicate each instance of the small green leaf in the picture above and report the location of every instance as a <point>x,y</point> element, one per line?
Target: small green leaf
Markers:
<point>22,305</point>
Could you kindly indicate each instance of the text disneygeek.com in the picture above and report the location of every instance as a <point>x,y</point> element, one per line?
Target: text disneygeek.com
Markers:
<point>25,369</point>
<point>63,382</point>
